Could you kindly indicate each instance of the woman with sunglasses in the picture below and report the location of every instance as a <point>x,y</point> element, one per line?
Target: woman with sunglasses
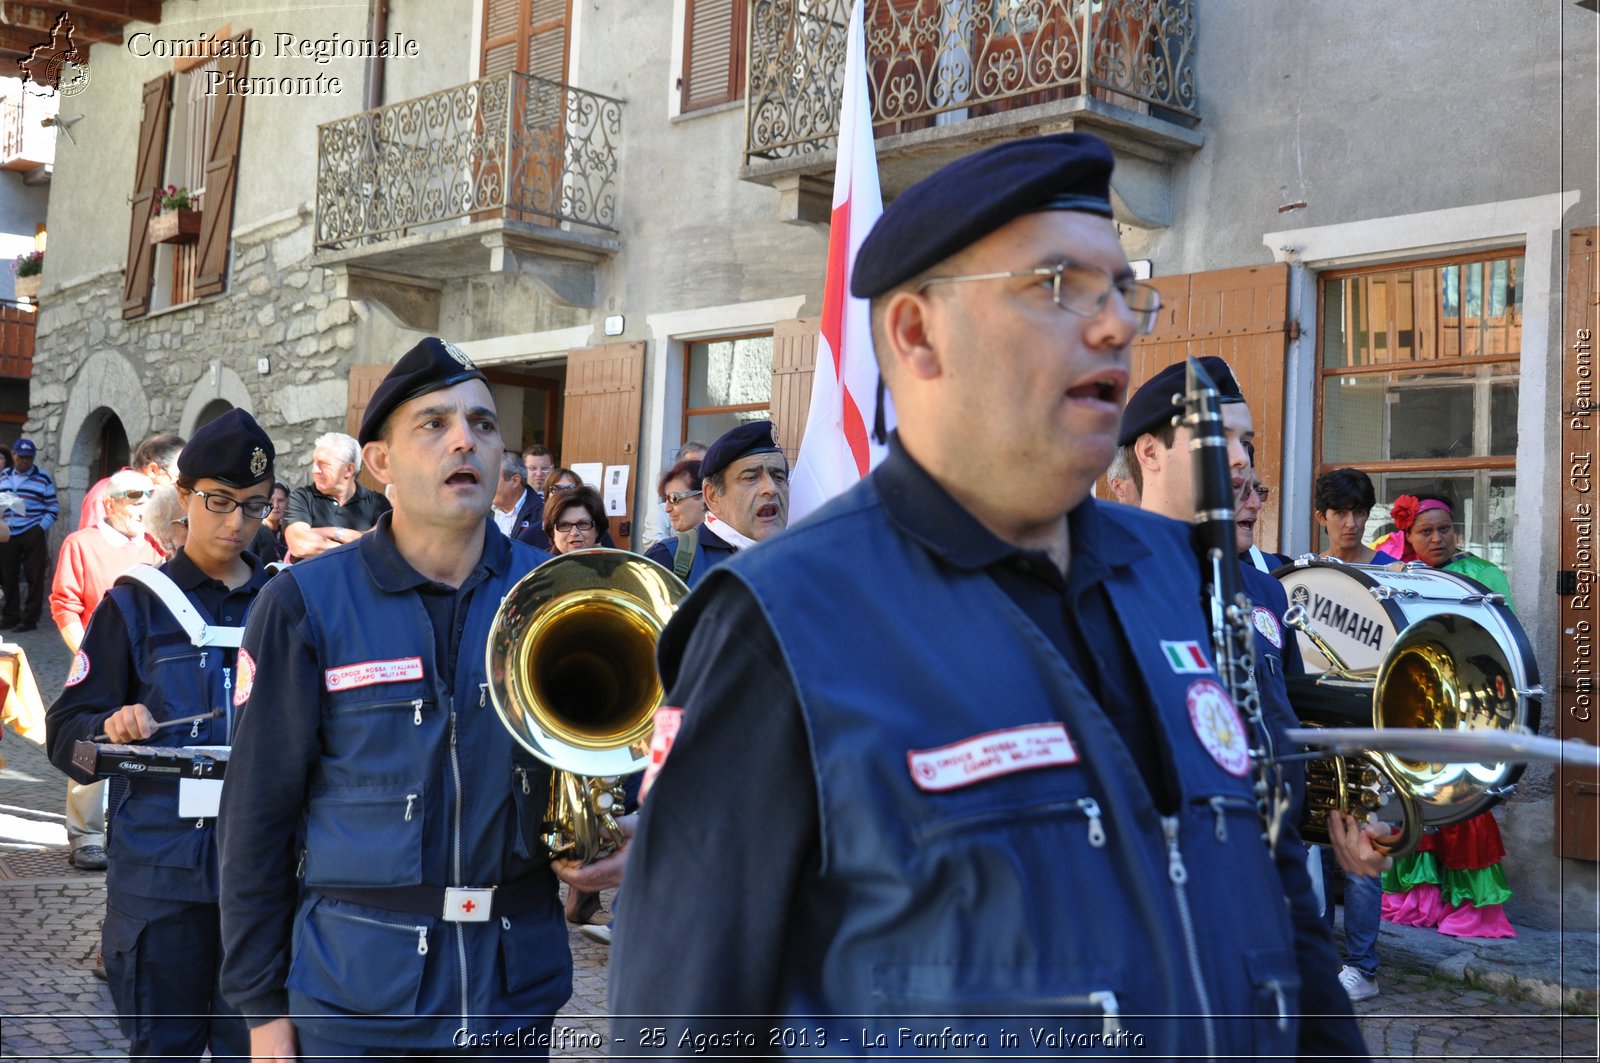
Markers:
<point>157,668</point>
<point>686,508</point>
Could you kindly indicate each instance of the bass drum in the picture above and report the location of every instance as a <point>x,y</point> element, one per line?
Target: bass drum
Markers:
<point>1439,651</point>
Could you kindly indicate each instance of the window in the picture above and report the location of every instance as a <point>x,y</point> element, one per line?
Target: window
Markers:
<point>713,53</point>
<point>727,382</point>
<point>1419,380</point>
<point>525,35</point>
<point>189,139</point>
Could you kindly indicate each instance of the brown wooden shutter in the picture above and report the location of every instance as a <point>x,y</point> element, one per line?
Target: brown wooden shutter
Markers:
<point>222,168</point>
<point>364,380</point>
<point>604,404</point>
<point>1240,315</point>
<point>149,159</point>
<point>794,358</point>
<point>525,35</point>
<point>1577,710</point>
<point>713,53</point>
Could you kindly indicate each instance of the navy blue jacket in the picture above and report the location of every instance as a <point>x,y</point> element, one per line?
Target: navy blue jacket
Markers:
<point>945,884</point>
<point>710,551</point>
<point>526,527</point>
<point>352,739</point>
<point>134,652</point>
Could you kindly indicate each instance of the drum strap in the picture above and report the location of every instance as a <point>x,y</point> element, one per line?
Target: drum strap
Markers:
<point>183,611</point>
<point>1258,559</point>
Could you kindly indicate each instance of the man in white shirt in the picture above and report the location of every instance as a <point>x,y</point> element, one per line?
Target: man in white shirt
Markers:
<point>514,504</point>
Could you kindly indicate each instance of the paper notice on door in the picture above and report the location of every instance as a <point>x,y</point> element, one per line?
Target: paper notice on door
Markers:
<point>616,490</point>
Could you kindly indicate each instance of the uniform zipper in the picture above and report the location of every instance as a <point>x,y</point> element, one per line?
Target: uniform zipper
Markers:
<point>1179,875</point>
<point>416,712</point>
<point>455,857</point>
<point>1097,831</point>
<point>522,773</point>
<point>421,931</point>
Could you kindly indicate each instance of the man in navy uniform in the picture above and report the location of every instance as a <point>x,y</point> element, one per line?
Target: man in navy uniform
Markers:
<point>424,918</point>
<point>996,772</point>
<point>744,481</point>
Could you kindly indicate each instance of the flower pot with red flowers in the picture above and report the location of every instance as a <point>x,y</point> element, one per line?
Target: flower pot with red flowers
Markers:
<point>29,269</point>
<point>175,220</point>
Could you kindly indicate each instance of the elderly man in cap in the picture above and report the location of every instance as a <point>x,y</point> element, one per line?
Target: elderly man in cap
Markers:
<point>996,772</point>
<point>158,666</point>
<point>384,883</point>
<point>744,482</point>
<point>27,554</point>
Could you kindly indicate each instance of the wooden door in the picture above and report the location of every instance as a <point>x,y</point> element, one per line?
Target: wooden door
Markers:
<point>364,380</point>
<point>1578,790</point>
<point>794,358</point>
<point>602,415</point>
<point>1240,315</point>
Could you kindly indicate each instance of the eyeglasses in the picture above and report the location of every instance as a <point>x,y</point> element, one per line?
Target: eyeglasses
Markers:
<point>224,504</point>
<point>678,498</point>
<point>132,496</point>
<point>564,487</point>
<point>1261,491</point>
<point>574,525</point>
<point>1082,289</point>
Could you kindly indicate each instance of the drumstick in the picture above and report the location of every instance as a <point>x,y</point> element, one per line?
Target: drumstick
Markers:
<point>212,715</point>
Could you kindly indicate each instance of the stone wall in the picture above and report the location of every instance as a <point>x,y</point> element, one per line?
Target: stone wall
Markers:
<point>159,372</point>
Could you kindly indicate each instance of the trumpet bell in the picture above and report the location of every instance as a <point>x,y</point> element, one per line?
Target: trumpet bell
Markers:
<point>571,659</point>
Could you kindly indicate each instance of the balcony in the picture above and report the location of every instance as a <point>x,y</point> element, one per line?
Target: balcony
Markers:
<point>511,173</point>
<point>27,146</point>
<point>947,77</point>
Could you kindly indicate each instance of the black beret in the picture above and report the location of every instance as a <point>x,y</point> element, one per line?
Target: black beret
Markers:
<point>974,196</point>
<point>754,437</point>
<point>232,450</point>
<point>432,365</point>
<point>1151,406</point>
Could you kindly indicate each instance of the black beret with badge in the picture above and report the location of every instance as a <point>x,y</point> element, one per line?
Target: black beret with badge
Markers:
<point>1151,406</point>
<point>974,196</point>
<point>232,450</point>
<point>432,365</point>
<point>753,437</point>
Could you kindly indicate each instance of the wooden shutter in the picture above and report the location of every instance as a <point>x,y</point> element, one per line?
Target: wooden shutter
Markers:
<point>1577,711</point>
<point>222,169</point>
<point>794,358</point>
<point>149,159</point>
<point>1240,315</point>
<point>526,35</point>
<point>713,53</point>
<point>364,380</point>
<point>604,403</point>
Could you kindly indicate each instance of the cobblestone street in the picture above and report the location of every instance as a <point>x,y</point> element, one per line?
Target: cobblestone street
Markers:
<point>52,1007</point>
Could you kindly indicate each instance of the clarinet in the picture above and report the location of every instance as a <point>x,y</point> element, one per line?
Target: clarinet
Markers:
<point>1222,591</point>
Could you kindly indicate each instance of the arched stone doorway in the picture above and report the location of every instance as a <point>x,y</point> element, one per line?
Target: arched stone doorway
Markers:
<point>112,447</point>
<point>212,410</point>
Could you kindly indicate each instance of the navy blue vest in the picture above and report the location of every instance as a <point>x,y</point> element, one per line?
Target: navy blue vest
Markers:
<point>153,852</point>
<point>419,784</point>
<point>1055,891</point>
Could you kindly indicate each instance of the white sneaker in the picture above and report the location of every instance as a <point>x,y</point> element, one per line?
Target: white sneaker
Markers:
<point>601,934</point>
<point>1357,984</point>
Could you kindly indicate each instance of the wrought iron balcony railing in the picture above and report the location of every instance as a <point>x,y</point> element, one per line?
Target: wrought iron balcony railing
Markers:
<point>930,62</point>
<point>512,146</point>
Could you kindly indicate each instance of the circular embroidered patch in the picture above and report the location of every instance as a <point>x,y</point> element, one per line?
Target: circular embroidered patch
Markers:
<point>1267,624</point>
<point>79,671</point>
<point>1218,726</point>
<point>247,678</point>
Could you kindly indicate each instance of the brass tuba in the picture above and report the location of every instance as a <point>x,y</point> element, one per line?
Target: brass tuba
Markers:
<point>572,674</point>
<point>1458,663</point>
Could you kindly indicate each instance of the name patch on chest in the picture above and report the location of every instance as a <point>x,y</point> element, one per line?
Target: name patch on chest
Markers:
<point>371,673</point>
<point>986,756</point>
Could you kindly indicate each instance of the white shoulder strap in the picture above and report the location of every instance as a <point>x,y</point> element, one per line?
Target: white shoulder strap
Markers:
<point>1259,559</point>
<point>188,617</point>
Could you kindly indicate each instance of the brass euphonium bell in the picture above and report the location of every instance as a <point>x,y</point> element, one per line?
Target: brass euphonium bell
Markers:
<point>572,674</point>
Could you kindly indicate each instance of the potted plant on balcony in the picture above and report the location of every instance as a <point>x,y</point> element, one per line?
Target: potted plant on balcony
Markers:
<point>173,220</point>
<point>28,268</point>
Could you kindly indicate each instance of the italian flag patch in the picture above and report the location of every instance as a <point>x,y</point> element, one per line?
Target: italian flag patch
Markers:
<point>1185,657</point>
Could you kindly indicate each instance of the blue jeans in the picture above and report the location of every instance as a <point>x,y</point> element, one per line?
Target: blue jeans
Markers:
<point>1363,907</point>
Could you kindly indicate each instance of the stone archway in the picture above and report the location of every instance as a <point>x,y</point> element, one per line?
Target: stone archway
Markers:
<point>209,400</point>
<point>107,385</point>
